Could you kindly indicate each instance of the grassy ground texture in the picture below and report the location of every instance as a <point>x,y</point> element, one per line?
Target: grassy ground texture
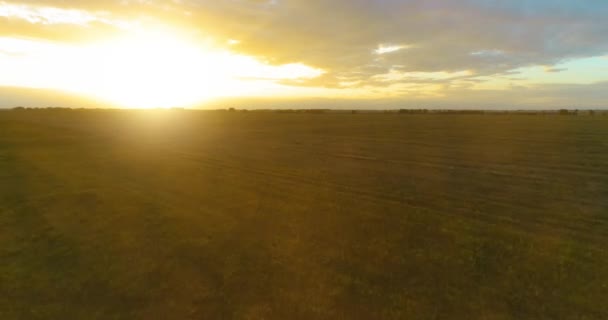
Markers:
<point>261,215</point>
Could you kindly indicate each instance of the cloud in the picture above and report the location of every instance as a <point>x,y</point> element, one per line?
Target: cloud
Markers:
<point>546,96</point>
<point>359,42</point>
<point>384,49</point>
<point>555,70</point>
<point>343,36</point>
<point>43,98</point>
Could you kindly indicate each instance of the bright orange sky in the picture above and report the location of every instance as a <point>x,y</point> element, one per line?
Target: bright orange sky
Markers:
<point>367,54</point>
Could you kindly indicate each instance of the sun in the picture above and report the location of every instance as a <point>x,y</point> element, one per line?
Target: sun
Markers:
<point>148,67</point>
<point>152,69</point>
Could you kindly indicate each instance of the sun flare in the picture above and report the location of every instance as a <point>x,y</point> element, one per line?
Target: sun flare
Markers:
<point>156,69</point>
<point>145,68</point>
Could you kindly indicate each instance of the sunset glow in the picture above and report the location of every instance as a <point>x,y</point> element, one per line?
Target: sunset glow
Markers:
<point>149,54</point>
<point>143,69</point>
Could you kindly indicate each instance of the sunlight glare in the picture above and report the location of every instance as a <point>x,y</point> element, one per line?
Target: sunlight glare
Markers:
<point>146,68</point>
<point>150,70</point>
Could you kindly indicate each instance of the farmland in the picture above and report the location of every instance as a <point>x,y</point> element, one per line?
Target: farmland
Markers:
<point>263,215</point>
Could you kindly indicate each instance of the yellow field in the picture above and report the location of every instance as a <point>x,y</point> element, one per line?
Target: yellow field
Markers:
<point>263,215</point>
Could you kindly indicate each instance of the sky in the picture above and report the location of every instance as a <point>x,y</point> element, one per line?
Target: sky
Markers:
<point>491,54</point>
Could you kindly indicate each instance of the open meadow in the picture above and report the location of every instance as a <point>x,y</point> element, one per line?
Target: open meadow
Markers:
<point>265,215</point>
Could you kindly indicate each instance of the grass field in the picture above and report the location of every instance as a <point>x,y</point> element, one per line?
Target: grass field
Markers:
<point>261,215</point>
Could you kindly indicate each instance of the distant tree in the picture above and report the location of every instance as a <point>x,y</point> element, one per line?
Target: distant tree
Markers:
<point>564,112</point>
<point>19,108</point>
<point>232,110</point>
<point>354,112</point>
<point>414,111</point>
<point>316,111</point>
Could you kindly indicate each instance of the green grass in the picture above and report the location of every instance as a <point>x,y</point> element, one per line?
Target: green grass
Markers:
<point>219,215</point>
